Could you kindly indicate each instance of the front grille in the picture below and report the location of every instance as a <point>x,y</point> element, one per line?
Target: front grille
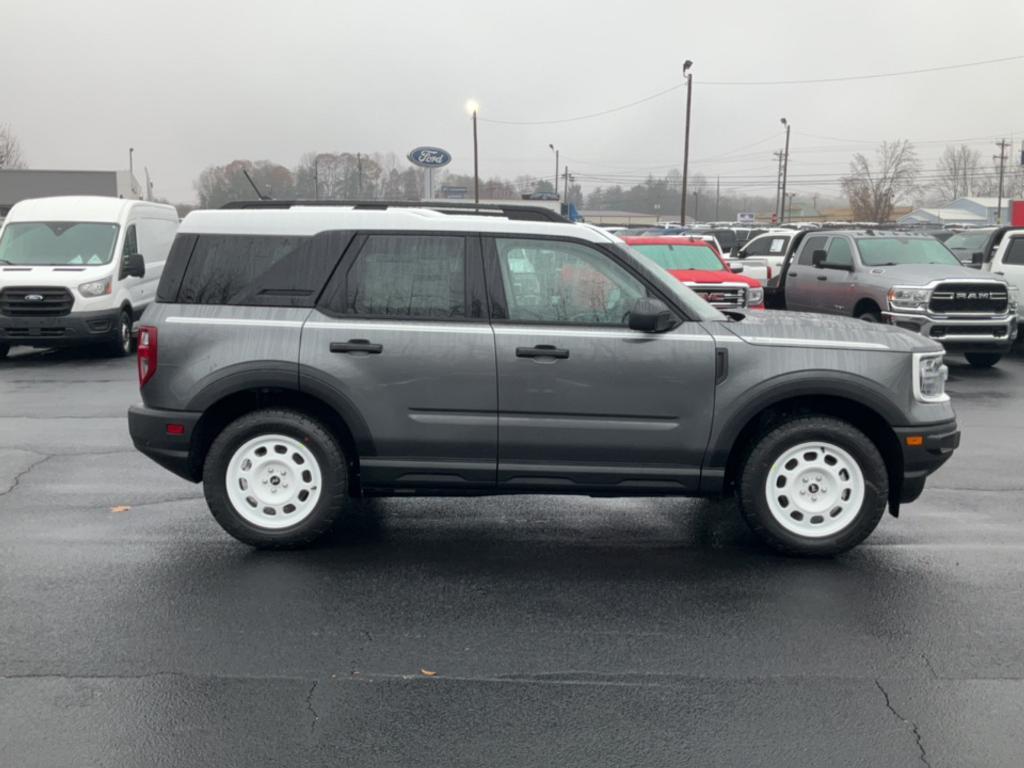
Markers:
<point>967,298</point>
<point>44,302</point>
<point>722,296</point>
<point>31,333</point>
<point>951,331</point>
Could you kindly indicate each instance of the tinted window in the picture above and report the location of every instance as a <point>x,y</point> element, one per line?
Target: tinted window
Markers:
<point>565,283</point>
<point>811,245</point>
<point>421,276</point>
<point>1015,252</point>
<point>969,241</point>
<point>131,241</point>
<point>726,238</point>
<point>256,270</point>
<point>839,254</point>
<point>767,246</point>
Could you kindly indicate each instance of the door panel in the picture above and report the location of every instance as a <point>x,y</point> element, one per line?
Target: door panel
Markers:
<point>802,284</point>
<point>623,410</point>
<point>399,339</point>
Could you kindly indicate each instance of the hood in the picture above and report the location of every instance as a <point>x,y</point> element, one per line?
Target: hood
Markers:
<point>712,276</point>
<point>804,329</point>
<point>922,274</point>
<point>64,276</point>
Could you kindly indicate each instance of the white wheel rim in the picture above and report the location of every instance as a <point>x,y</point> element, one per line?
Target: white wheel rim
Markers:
<point>273,481</point>
<point>815,489</point>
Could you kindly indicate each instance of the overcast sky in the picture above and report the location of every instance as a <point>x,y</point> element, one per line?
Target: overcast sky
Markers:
<point>190,84</point>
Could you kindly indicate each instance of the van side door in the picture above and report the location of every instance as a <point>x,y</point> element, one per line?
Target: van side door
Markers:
<point>153,238</point>
<point>586,404</point>
<point>399,343</point>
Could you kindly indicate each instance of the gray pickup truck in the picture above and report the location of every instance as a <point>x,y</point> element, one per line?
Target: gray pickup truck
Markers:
<point>907,280</point>
<point>299,357</point>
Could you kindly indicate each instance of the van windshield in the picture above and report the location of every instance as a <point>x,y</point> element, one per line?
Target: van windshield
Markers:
<point>57,243</point>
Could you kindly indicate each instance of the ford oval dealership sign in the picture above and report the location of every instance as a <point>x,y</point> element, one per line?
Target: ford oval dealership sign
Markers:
<point>429,157</point>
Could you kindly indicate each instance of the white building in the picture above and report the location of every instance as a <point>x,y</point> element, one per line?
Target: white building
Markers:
<point>977,211</point>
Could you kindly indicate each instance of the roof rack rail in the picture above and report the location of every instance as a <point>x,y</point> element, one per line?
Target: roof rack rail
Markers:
<point>509,211</point>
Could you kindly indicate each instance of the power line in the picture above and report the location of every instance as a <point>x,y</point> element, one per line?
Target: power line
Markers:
<point>811,81</point>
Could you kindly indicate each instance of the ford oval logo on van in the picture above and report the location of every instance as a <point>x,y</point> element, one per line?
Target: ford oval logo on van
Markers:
<point>33,297</point>
<point>429,157</point>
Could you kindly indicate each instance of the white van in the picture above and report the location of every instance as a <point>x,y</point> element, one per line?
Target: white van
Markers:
<point>80,270</point>
<point>1008,263</point>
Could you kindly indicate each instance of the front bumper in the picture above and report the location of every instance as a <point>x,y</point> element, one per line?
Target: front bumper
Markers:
<point>960,334</point>
<point>149,431</point>
<point>925,449</point>
<point>65,331</point>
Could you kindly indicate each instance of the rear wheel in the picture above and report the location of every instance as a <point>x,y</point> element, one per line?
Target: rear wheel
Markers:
<point>813,485</point>
<point>982,359</point>
<point>275,479</point>
<point>120,342</point>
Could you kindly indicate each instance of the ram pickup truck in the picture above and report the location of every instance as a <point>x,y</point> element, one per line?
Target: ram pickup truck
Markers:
<point>910,281</point>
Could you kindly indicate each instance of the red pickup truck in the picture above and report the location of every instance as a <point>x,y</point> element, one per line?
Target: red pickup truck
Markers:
<point>697,264</point>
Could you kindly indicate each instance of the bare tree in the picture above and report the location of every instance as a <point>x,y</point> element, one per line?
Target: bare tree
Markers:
<point>958,173</point>
<point>874,190</point>
<point>10,149</point>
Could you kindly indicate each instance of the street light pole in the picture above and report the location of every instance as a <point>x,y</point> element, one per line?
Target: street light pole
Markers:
<point>686,141</point>
<point>785,169</point>
<point>131,168</point>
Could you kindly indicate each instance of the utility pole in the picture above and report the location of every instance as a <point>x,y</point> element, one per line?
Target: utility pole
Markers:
<point>565,194</point>
<point>778,181</point>
<point>556,168</point>
<point>1002,144</point>
<point>718,194</point>
<point>791,196</point>
<point>131,169</point>
<point>686,141</point>
<point>696,205</point>
<point>785,162</point>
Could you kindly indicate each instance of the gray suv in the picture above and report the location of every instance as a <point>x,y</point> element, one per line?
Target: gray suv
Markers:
<point>296,358</point>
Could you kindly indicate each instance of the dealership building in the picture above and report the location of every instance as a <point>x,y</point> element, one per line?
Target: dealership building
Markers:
<point>23,184</point>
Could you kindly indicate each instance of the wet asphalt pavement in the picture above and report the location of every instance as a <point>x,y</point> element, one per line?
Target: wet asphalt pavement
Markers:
<point>521,631</point>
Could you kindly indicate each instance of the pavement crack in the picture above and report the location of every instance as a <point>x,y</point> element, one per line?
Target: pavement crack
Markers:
<point>910,723</point>
<point>311,708</point>
<point>928,663</point>
<point>29,468</point>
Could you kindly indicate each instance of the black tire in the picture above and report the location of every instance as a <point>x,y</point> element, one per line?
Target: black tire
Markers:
<point>771,445</point>
<point>120,342</point>
<point>4,349</point>
<point>983,359</point>
<point>870,316</point>
<point>311,434</point>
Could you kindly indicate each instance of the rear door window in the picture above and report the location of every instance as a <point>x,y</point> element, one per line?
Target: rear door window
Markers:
<point>255,270</point>
<point>405,277</point>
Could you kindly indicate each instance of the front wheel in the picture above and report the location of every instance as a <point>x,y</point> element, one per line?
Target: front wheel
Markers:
<point>870,316</point>
<point>982,359</point>
<point>120,342</point>
<point>275,479</point>
<point>814,485</point>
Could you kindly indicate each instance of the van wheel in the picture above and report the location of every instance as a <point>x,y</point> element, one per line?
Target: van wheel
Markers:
<point>982,359</point>
<point>275,479</point>
<point>120,342</point>
<point>813,485</point>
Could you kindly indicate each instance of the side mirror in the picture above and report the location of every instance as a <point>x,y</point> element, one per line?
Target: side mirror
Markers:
<point>735,253</point>
<point>132,265</point>
<point>977,258</point>
<point>650,316</point>
<point>736,268</point>
<point>818,258</point>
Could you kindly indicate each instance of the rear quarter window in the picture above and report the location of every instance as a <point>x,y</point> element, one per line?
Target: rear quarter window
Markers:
<point>247,270</point>
<point>1015,252</point>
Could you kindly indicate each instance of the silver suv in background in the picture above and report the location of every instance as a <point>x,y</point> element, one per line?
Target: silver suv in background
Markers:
<point>298,357</point>
<point>910,281</point>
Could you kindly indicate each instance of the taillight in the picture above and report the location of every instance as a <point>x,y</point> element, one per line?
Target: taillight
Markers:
<point>769,273</point>
<point>147,353</point>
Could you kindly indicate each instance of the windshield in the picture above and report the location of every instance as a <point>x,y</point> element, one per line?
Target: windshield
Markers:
<point>968,241</point>
<point>890,251</point>
<point>57,243</point>
<point>726,238</point>
<point>696,307</point>
<point>674,256</point>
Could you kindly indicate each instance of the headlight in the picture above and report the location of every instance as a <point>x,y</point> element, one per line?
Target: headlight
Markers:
<point>909,297</point>
<point>95,288</point>
<point>755,296</point>
<point>1014,298</point>
<point>930,377</point>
